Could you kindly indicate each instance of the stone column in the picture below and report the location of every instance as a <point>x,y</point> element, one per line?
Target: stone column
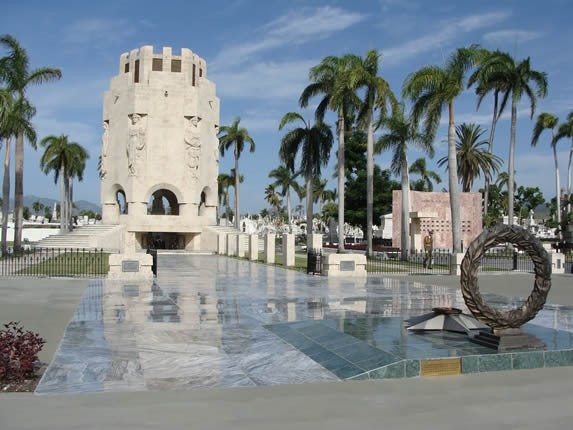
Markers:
<point>242,245</point>
<point>232,245</point>
<point>557,262</point>
<point>221,244</point>
<point>455,263</point>
<point>315,241</point>
<point>288,250</point>
<point>253,247</point>
<point>270,247</point>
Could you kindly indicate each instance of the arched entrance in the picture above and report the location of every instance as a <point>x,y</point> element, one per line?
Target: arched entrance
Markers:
<point>163,202</point>
<point>121,202</point>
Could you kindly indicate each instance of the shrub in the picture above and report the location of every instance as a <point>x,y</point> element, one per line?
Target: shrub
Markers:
<point>18,352</point>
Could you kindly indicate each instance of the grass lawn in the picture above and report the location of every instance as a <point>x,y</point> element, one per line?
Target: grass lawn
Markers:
<point>67,264</point>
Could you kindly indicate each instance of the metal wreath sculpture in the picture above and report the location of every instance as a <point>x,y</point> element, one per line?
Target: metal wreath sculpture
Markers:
<point>524,240</point>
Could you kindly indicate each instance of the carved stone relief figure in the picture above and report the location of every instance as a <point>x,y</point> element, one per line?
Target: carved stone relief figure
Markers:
<point>192,144</point>
<point>216,150</point>
<point>135,143</point>
<point>104,149</point>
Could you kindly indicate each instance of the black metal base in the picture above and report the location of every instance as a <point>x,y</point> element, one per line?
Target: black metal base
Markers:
<point>508,342</point>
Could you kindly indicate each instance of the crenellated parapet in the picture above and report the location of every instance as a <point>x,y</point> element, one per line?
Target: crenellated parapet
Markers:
<point>141,63</point>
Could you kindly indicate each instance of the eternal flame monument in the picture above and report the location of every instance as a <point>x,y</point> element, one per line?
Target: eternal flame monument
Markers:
<point>159,159</point>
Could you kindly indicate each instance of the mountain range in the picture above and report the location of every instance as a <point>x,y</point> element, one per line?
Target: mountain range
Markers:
<point>82,205</point>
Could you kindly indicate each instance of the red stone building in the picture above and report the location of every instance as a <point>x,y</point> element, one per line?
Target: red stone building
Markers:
<point>431,211</point>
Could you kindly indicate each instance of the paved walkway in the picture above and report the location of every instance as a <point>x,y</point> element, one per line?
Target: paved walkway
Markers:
<point>518,399</point>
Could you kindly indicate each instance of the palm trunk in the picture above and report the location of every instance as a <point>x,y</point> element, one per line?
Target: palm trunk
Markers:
<point>308,209</point>
<point>569,178</point>
<point>369,184</point>
<point>6,196</point>
<point>70,203</point>
<point>557,184</point>
<point>490,150</point>
<point>341,181</point>
<point>289,211</point>
<point>453,179</point>
<point>510,168</point>
<point>237,213</point>
<point>19,192</point>
<point>405,213</point>
<point>62,200</point>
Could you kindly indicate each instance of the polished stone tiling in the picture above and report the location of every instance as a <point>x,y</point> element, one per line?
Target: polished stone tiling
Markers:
<point>212,321</point>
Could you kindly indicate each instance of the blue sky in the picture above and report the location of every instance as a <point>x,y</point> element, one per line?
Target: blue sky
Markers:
<point>258,54</point>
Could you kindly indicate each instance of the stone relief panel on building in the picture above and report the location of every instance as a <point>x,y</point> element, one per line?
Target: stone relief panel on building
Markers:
<point>104,149</point>
<point>192,140</point>
<point>135,143</point>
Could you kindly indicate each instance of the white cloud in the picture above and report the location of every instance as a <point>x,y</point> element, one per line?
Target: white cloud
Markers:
<point>269,81</point>
<point>504,36</point>
<point>483,119</point>
<point>98,31</point>
<point>296,27</point>
<point>449,30</point>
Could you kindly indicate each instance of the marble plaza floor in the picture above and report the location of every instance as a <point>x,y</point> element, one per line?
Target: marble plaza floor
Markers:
<point>211,321</point>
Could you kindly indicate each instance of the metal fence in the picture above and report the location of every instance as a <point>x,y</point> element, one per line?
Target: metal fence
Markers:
<point>314,261</point>
<point>57,262</point>
<point>495,260</point>
<point>569,262</point>
<point>504,260</point>
<point>390,262</point>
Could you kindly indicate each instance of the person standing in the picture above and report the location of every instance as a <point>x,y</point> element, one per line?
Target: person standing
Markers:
<point>428,248</point>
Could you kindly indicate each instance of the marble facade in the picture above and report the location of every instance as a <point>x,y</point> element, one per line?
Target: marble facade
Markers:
<point>159,156</point>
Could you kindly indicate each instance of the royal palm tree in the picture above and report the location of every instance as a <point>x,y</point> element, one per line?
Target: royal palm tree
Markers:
<point>38,207</point>
<point>314,142</point>
<point>285,177</point>
<point>431,89</point>
<point>566,130</point>
<point>65,159</point>
<point>401,131</point>
<point>418,167</point>
<point>502,181</point>
<point>236,137</point>
<point>273,198</point>
<point>331,80</point>
<point>14,72</point>
<point>320,192</point>
<point>486,82</point>
<point>15,120</point>
<point>473,156</point>
<point>518,79</point>
<point>377,95</point>
<point>76,170</point>
<point>546,121</point>
<point>224,182</point>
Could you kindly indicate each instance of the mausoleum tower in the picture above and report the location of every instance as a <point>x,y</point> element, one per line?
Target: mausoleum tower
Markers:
<point>160,157</point>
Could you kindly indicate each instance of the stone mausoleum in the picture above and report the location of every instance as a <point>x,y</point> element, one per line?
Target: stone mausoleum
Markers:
<point>159,157</point>
<point>431,211</point>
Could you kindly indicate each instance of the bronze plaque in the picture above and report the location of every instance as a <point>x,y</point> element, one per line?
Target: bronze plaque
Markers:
<point>441,367</point>
<point>130,266</point>
<point>347,266</point>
